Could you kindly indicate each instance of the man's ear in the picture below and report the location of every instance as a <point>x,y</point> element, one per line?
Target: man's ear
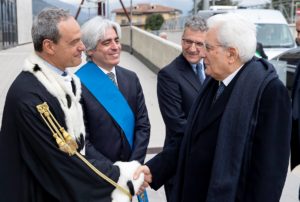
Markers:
<point>232,55</point>
<point>48,46</point>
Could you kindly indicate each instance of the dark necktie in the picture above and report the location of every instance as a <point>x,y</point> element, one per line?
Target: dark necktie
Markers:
<point>112,77</point>
<point>199,72</point>
<point>220,90</point>
<point>70,82</point>
<point>64,74</point>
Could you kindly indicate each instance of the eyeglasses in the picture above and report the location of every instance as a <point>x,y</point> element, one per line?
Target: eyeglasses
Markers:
<point>209,47</point>
<point>189,43</point>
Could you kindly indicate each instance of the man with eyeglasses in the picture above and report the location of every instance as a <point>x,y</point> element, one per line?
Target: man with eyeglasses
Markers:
<point>179,82</point>
<point>237,140</point>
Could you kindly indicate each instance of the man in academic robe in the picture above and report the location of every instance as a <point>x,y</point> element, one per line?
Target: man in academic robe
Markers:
<point>113,100</point>
<point>33,167</point>
<point>237,142</point>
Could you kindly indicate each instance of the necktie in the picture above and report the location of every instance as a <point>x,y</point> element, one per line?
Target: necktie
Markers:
<point>199,72</point>
<point>64,74</point>
<point>69,81</point>
<point>111,75</point>
<point>220,90</point>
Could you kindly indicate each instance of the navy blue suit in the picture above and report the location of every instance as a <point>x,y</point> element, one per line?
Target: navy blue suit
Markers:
<point>177,88</point>
<point>105,138</point>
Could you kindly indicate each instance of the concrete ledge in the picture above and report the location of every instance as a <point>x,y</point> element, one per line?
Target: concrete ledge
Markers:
<point>144,60</point>
<point>153,51</point>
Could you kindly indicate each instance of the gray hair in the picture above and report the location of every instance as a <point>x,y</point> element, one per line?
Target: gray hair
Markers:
<point>94,30</point>
<point>196,23</point>
<point>45,26</point>
<point>235,31</point>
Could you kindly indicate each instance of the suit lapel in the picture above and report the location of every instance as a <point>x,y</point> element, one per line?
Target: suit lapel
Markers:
<point>216,110</point>
<point>123,84</point>
<point>210,113</point>
<point>188,73</point>
<point>191,78</point>
<point>200,106</point>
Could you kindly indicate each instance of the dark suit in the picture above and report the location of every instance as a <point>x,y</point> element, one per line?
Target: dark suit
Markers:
<point>105,137</point>
<point>236,149</point>
<point>177,88</point>
<point>295,140</point>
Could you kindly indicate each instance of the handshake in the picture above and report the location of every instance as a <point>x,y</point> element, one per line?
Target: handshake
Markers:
<point>134,177</point>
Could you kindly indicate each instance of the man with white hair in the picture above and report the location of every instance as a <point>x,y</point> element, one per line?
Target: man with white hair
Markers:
<point>237,140</point>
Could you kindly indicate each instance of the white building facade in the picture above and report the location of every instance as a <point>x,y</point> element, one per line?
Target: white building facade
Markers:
<point>15,22</point>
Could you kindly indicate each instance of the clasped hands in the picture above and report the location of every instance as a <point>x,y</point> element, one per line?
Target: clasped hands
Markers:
<point>134,177</point>
<point>147,177</point>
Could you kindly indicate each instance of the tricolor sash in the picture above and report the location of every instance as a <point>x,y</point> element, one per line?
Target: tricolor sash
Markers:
<point>109,96</point>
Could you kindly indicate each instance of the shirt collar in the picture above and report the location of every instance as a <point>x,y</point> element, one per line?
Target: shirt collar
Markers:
<point>53,68</point>
<point>194,65</point>
<point>105,71</point>
<point>229,78</point>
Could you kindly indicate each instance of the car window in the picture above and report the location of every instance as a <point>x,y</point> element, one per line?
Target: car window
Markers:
<point>274,36</point>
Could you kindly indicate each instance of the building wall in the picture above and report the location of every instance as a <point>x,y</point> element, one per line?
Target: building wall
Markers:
<point>24,20</point>
<point>8,24</point>
<point>15,22</point>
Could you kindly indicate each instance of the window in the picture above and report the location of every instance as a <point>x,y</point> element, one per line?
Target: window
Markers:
<point>8,24</point>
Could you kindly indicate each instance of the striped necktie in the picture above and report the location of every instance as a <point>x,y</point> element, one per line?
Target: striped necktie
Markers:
<point>112,77</point>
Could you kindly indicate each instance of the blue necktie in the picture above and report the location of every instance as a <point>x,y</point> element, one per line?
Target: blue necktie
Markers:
<point>199,72</point>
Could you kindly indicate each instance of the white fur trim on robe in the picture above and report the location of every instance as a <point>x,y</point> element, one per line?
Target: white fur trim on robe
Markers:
<point>56,86</point>
<point>127,170</point>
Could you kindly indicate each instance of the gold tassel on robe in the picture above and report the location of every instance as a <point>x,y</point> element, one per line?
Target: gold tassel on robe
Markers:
<point>68,145</point>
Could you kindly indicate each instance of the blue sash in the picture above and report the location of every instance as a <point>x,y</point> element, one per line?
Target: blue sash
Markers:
<point>143,197</point>
<point>109,96</point>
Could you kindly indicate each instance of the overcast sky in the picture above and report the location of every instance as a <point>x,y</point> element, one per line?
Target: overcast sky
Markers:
<point>183,5</point>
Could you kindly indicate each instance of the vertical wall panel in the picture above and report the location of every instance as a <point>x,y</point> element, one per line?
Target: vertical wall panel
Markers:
<point>24,19</point>
<point>15,22</point>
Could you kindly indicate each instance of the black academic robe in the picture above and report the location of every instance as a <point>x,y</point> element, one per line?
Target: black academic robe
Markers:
<point>33,169</point>
<point>240,150</point>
